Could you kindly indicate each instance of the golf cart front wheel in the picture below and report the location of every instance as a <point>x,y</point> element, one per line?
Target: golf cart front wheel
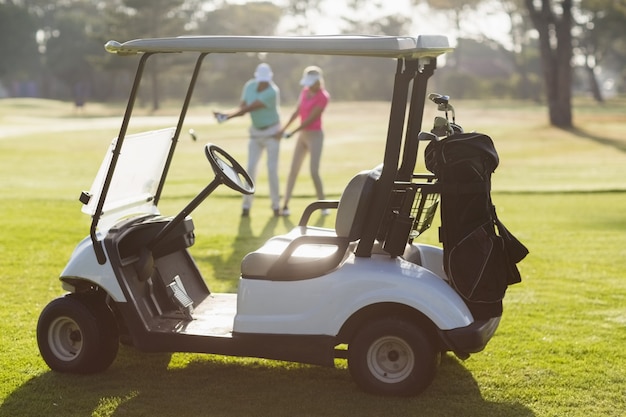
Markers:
<point>77,335</point>
<point>392,357</point>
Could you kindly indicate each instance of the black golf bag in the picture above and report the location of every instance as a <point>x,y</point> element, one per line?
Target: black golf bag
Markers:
<point>480,254</point>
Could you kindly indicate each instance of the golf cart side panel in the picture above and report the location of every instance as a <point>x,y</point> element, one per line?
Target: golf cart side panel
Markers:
<point>84,266</point>
<point>428,256</point>
<point>322,305</point>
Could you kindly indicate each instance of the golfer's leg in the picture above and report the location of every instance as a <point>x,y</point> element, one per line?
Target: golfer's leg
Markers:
<point>254,154</point>
<point>316,143</point>
<point>299,153</point>
<point>273,148</point>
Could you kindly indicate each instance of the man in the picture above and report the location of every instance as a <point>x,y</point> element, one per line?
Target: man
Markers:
<point>260,97</point>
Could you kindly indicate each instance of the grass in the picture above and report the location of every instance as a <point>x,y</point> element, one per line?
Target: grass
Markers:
<point>559,351</point>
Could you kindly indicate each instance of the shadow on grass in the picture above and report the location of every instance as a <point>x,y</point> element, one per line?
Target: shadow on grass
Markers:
<point>140,384</point>
<point>602,140</point>
<point>227,269</point>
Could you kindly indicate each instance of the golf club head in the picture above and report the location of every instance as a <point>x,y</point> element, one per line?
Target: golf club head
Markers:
<point>442,101</point>
<point>456,128</point>
<point>427,136</point>
<point>441,127</point>
<point>438,98</point>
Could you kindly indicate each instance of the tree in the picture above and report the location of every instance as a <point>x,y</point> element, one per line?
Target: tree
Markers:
<point>523,51</point>
<point>301,10</point>
<point>130,19</point>
<point>18,47</point>
<point>554,25</point>
<point>454,9</point>
<point>255,19</point>
<point>364,82</point>
<point>599,22</point>
<point>67,55</point>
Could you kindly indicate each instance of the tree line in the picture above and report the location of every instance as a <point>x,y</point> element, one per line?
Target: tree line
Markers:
<point>554,48</point>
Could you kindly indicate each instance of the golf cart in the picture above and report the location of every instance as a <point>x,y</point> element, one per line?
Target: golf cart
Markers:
<point>302,296</point>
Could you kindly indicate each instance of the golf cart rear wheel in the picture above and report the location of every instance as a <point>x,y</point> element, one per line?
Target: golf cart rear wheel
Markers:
<point>392,356</point>
<point>77,334</point>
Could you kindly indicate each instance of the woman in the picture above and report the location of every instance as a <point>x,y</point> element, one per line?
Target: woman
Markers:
<point>311,104</point>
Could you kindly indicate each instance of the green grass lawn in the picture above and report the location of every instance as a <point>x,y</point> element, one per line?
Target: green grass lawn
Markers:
<point>560,349</point>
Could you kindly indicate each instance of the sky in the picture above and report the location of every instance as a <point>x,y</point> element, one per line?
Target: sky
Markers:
<point>485,21</point>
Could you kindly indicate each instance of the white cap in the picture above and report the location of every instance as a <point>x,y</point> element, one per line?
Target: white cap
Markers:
<point>263,73</point>
<point>310,76</point>
<point>309,79</point>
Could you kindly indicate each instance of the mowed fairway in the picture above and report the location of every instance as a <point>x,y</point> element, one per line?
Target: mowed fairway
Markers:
<point>561,346</point>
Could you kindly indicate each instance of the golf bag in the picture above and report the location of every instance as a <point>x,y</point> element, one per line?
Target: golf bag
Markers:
<point>480,254</point>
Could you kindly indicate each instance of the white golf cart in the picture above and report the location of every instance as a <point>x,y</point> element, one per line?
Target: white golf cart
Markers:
<point>302,296</point>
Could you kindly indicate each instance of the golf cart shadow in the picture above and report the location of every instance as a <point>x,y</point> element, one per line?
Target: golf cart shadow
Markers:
<point>140,384</point>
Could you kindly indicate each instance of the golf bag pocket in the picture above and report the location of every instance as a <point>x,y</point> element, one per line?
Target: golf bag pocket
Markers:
<point>476,266</point>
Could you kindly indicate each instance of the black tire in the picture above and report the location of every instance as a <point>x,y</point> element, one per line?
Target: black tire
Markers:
<point>392,356</point>
<point>77,334</point>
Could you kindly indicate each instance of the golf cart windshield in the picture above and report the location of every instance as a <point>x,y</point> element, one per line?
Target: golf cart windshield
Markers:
<point>136,178</point>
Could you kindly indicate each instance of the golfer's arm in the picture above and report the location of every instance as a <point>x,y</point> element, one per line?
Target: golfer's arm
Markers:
<point>245,108</point>
<point>315,113</point>
<point>292,118</point>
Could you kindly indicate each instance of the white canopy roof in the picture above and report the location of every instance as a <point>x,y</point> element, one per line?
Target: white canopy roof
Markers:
<point>421,46</point>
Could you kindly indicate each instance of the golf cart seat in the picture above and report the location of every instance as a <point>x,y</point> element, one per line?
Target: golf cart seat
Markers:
<point>308,252</point>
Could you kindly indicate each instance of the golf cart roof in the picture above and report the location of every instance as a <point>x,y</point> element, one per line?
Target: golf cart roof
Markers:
<point>421,46</point>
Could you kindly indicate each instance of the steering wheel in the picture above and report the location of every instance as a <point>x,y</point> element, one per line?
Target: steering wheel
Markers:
<point>229,171</point>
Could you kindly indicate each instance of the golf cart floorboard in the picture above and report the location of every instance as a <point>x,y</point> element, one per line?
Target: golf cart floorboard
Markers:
<point>214,316</point>
<point>210,330</point>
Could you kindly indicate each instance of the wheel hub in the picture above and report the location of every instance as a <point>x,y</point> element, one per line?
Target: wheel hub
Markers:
<point>390,359</point>
<point>75,336</point>
<point>65,339</point>
<point>393,355</point>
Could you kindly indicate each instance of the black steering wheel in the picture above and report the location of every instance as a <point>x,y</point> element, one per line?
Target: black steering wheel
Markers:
<point>229,171</point>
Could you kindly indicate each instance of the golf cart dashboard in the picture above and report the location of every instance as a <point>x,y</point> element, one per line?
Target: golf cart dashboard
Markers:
<point>129,237</point>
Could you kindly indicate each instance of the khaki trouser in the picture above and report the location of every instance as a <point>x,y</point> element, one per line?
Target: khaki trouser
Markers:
<point>263,139</point>
<point>310,141</point>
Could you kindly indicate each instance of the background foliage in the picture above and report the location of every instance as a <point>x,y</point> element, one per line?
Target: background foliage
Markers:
<point>54,49</point>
